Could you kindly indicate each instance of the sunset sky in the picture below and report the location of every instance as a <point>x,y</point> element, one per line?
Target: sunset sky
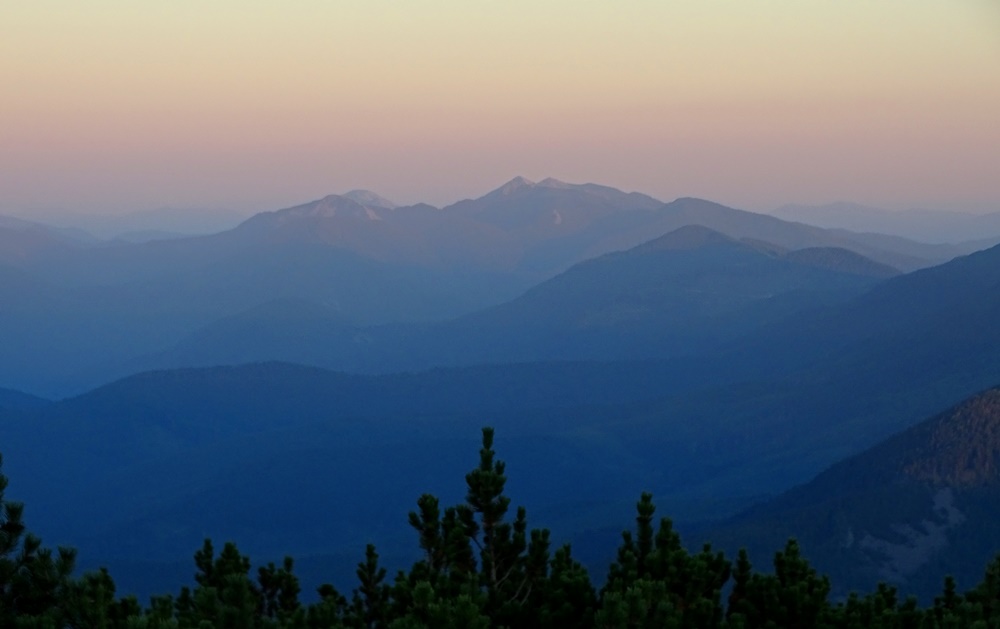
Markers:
<point>110,106</point>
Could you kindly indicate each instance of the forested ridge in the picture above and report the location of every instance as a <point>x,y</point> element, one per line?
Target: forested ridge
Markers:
<point>482,566</point>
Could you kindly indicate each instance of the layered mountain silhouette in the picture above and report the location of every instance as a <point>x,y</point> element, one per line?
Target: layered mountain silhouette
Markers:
<point>22,242</point>
<point>710,355</point>
<point>16,400</point>
<point>138,226</point>
<point>922,225</point>
<point>917,506</point>
<point>923,326</point>
<point>707,433</point>
<point>686,291</point>
<point>843,377</point>
<point>355,256</point>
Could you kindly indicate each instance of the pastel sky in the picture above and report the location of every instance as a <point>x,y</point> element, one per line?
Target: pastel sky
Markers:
<point>114,105</point>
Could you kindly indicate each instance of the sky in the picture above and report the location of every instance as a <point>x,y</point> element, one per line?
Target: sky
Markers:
<point>114,106</point>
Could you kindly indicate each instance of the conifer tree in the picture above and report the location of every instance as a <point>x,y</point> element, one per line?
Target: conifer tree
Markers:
<point>279,590</point>
<point>90,602</point>
<point>479,570</point>
<point>986,595</point>
<point>513,583</point>
<point>656,582</point>
<point>794,596</point>
<point>329,612</point>
<point>739,606</point>
<point>225,596</point>
<point>32,579</point>
<point>370,603</point>
<point>513,562</point>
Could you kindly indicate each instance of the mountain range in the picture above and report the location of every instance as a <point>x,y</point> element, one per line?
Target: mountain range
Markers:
<point>684,292</point>
<point>137,226</point>
<point>709,434</point>
<point>618,344</point>
<point>935,226</point>
<point>77,312</point>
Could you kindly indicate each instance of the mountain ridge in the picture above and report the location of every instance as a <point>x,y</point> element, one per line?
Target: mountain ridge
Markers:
<point>18,400</point>
<point>925,225</point>
<point>669,296</point>
<point>416,265</point>
<point>941,476</point>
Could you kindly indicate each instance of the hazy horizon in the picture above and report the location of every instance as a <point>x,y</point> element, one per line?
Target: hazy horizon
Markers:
<point>63,215</point>
<point>117,107</point>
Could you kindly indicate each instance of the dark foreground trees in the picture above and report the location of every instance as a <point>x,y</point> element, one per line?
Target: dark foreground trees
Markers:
<point>482,567</point>
<point>34,581</point>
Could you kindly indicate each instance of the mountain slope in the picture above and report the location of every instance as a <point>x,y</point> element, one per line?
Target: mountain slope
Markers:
<point>909,510</point>
<point>10,399</point>
<point>683,292</point>
<point>932,323</point>
<point>831,382</point>
<point>22,242</point>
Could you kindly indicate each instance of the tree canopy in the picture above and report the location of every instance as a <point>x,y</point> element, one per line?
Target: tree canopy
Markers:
<point>481,567</point>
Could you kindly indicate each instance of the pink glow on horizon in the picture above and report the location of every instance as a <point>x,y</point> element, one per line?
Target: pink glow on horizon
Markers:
<point>114,107</point>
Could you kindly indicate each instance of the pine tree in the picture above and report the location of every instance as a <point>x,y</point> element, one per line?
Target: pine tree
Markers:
<point>32,579</point>
<point>370,603</point>
<point>479,570</point>
<point>794,596</point>
<point>513,562</point>
<point>739,605</point>
<point>986,595</point>
<point>279,591</point>
<point>656,582</point>
<point>225,596</point>
<point>513,583</point>
<point>90,602</point>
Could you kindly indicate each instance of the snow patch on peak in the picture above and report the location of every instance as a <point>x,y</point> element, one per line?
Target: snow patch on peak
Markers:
<point>369,198</point>
<point>332,206</point>
<point>551,182</point>
<point>515,184</point>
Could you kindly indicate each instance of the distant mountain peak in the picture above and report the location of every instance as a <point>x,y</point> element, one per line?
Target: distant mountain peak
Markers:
<point>369,198</point>
<point>334,203</point>
<point>551,182</point>
<point>686,238</point>
<point>330,206</point>
<point>514,185</point>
